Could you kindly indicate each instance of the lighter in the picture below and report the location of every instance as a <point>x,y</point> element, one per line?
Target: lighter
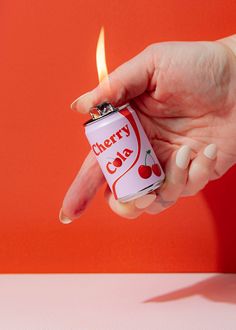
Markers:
<point>123,151</point>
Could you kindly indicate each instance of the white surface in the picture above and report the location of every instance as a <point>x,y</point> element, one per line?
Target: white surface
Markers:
<point>115,302</point>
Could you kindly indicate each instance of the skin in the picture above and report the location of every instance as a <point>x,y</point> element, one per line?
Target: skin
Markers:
<point>185,95</point>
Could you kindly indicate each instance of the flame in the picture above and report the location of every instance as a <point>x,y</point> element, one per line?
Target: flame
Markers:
<point>101,57</point>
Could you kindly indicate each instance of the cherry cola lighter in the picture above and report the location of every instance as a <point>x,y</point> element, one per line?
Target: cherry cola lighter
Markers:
<point>123,151</point>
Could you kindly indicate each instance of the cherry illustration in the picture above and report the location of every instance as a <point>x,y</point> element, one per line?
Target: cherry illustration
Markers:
<point>117,162</point>
<point>156,169</point>
<point>145,171</point>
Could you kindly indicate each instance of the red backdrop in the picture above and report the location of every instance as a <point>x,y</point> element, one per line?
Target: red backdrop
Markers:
<point>47,59</point>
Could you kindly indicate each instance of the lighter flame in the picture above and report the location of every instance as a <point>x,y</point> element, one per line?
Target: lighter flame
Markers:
<point>101,57</point>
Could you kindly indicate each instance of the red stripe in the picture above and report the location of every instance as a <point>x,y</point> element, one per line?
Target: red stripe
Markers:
<point>126,113</point>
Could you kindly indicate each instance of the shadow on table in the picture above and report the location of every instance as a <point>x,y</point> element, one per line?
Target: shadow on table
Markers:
<point>220,288</point>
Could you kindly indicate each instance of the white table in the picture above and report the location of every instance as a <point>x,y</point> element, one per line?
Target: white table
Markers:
<point>118,302</point>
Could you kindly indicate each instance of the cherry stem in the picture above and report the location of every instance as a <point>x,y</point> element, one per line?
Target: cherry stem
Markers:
<point>146,158</point>
<point>148,152</point>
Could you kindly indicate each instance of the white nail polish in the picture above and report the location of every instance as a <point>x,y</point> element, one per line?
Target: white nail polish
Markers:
<point>72,106</point>
<point>155,208</point>
<point>126,210</point>
<point>144,201</point>
<point>210,151</point>
<point>63,218</point>
<point>183,157</point>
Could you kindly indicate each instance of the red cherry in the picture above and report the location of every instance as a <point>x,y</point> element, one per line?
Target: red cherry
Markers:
<point>156,169</point>
<point>145,171</point>
<point>117,162</point>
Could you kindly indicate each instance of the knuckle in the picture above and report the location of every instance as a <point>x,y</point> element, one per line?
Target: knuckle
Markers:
<point>152,47</point>
<point>198,172</point>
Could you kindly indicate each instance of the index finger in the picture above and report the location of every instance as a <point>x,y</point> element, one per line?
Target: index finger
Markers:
<point>82,190</point>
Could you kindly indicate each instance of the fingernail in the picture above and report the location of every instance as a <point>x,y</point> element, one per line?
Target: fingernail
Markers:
<point>63,218</point>
<point>155,208</point>
<point>126,210</point>
<point>210,151</point>
<point>73,105</point>
<point>144,201</point>
<point>183,157</point>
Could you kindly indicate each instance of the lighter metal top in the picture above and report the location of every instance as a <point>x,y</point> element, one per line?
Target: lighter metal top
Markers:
<point>102,110</point>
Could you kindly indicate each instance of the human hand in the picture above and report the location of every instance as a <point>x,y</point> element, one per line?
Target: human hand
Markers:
<point>184,95</point>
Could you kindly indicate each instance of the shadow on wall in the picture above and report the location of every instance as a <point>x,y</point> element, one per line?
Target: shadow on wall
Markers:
<point>220,288</point>
<point>221,198</point>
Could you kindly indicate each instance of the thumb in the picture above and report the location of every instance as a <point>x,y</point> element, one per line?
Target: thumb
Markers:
<point>126,82</point>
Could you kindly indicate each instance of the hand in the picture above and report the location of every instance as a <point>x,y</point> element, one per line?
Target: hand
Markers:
<point>184,94</point>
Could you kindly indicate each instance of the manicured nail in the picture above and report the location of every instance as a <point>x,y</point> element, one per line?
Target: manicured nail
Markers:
<point>144,201</point>
<point>73,105</point>
<point>155,208</point>
<point>126,210</point>
<point>210,151</point>
<point>183,157</point>
<point>63,218</point>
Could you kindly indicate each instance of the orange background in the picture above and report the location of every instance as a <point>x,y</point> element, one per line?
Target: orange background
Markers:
<point>47,59</point>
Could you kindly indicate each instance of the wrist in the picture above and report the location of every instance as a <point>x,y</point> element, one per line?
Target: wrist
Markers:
<point>230,45</point>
